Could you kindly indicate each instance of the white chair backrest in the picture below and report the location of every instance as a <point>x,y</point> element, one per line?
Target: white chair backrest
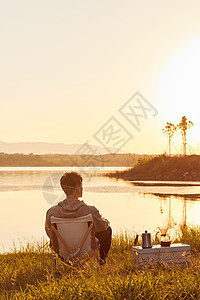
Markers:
<point>73,231</point>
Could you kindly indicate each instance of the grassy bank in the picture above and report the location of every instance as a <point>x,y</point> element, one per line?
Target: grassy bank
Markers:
<point>177,168</point>
<point>28,274</point>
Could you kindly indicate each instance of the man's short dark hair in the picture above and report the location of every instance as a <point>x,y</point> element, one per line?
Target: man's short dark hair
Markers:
<point>69,181</point>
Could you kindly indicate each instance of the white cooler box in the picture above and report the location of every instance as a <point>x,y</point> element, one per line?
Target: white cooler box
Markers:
<point>176,253</point>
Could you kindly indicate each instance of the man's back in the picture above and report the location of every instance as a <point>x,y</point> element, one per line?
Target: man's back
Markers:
<point>73,208</point>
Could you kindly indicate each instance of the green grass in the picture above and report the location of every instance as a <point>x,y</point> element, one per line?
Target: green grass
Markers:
<point>28,273</point>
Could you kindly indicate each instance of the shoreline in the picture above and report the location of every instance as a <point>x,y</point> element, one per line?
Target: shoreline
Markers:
<point>164,183</point>
<point>163,168</point>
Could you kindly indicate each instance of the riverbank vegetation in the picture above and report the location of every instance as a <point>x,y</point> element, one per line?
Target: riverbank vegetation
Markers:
<point>28,273</point>
<point>176,168</point>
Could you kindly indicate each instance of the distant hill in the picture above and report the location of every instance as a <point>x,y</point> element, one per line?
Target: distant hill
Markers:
<point>50,148</point>
<point>177,168</point>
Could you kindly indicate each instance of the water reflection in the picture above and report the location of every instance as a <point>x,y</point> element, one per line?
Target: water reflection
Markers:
<point>185,208</point>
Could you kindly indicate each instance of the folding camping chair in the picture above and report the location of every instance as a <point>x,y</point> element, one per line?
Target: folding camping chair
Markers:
<point>74,238</point>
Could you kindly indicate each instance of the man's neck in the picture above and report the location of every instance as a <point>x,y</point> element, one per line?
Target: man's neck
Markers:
<point>72,198</point>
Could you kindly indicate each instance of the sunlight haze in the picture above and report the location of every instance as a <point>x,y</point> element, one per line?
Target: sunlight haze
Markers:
<point>67,67</point>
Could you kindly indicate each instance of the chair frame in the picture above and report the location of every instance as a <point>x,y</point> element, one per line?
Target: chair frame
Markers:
<point>54,242</point>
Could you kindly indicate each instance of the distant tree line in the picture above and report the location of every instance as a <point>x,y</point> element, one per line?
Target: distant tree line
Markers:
<point>66,160</point>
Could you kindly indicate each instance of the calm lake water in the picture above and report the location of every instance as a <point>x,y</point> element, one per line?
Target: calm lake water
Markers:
<point>27,193</point>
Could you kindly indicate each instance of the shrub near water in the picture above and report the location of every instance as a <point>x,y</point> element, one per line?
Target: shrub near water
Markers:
<point>29,274</point>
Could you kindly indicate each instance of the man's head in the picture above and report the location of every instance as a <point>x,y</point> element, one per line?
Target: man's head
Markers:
<point>71,184</point>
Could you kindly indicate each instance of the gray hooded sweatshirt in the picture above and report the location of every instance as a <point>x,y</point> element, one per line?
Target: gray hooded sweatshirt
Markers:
<point>73,208</point>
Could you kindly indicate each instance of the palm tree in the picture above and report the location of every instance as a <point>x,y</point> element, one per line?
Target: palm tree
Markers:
<point>169,130</point>
<point>184,126</point>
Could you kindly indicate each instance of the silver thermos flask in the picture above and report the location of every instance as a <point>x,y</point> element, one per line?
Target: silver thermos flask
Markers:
<point>146,240</point>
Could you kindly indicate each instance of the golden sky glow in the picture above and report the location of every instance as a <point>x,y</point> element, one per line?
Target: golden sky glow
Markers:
<point>66,67</point>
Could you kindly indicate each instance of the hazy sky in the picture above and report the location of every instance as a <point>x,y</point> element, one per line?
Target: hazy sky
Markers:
<point>67,67</point>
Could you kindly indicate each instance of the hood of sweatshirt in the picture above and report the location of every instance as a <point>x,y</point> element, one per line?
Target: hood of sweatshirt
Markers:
<point>71,208</point>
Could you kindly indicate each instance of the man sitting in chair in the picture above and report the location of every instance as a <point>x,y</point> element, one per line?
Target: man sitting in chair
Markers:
<point>72,207</point>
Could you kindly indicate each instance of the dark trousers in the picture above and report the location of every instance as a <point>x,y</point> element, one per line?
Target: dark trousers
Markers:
<point>104,238</point>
